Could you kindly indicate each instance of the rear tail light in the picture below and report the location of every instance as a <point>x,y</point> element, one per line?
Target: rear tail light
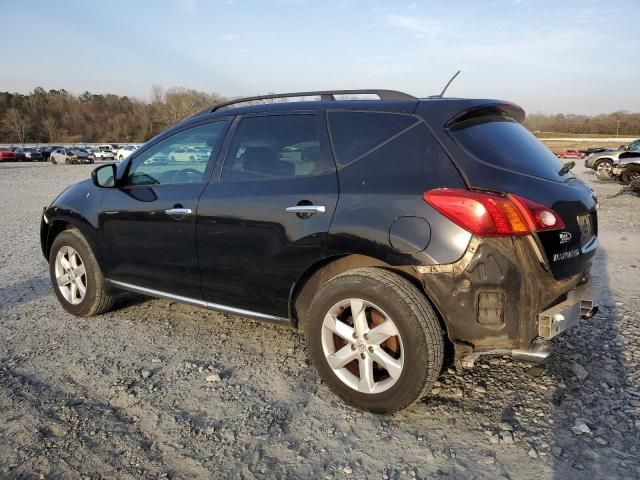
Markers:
<point>490,214</point>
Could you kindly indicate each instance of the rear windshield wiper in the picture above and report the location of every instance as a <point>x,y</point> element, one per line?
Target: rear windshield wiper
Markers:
<point>566,167</point>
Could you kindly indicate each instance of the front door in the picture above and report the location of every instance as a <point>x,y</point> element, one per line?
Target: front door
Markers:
<point>264,218</point>
<point>147,225</point>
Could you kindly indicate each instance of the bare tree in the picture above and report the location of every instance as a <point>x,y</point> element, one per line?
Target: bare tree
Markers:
<point>50,126</point>
<point>16,123</point>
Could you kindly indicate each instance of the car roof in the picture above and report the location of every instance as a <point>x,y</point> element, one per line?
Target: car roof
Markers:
<point>439,109</point>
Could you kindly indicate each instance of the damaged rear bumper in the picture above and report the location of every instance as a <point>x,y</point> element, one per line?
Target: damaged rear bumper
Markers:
<point>501,298</point>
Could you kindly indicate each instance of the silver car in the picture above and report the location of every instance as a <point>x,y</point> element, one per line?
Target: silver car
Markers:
<point>627,169</point>
<point>603,162</point>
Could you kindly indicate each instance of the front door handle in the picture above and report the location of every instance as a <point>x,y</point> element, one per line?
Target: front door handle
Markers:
<point>178,211</point>
<point>310,209</point>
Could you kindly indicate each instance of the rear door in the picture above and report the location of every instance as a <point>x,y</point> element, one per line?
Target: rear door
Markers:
<point>263,219</point>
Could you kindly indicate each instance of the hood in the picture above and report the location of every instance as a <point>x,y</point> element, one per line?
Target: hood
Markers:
<point>612,153</point>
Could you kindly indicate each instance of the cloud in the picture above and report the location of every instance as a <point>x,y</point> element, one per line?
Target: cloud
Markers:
<point>416,25</point>
<point>227,37</point>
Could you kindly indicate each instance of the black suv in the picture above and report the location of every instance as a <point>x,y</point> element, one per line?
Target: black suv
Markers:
<point>390,230</point>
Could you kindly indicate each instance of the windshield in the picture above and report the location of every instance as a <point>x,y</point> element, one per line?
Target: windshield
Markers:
<point>504,143</point>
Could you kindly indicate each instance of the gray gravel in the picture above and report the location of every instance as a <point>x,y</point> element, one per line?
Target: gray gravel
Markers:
<point>156,389</point>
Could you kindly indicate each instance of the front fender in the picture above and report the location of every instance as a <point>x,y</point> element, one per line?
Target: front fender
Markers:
<point>77,207</point>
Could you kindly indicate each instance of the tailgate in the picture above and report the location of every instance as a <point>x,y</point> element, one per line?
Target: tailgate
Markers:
<point>497,153</point>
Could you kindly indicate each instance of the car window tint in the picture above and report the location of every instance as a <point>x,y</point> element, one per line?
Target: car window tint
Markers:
<point>168,162</point>
<point>503,142</point>
<point>356,133</point>
<point>276,146</point>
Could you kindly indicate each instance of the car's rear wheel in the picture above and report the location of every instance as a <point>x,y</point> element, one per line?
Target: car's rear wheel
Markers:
<point>76,277</point>
<point>375,339</point>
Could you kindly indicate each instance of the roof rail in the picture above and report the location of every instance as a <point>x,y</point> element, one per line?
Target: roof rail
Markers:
<point>325,95</point>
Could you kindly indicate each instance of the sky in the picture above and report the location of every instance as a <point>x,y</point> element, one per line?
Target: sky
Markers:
<point>570,56</point>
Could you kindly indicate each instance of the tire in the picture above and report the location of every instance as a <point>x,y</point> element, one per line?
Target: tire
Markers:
<point>630,174</point>
<point>96,300</point>
<point>605,165</point>
<point>416,352</point>
<point>604,175</point>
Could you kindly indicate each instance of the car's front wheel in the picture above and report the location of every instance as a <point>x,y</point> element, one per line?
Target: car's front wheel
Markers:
<point>76,277</point>
<point>374,339</point>
<point>604,167</point>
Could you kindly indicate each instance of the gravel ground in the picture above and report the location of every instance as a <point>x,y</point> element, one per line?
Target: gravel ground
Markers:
<point>156,389</point>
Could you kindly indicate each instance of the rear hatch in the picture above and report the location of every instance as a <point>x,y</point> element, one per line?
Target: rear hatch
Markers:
<point>496,153</point>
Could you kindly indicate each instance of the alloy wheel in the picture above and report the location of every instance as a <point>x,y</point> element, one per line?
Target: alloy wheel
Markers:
<point>362,345</point>
<point>71,275</point>
<point>604,167</point>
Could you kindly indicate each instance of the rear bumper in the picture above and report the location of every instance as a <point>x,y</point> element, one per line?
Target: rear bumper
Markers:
<point>501,297</point>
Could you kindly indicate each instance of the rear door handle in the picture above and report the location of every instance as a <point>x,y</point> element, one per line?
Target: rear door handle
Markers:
<point>310,209</point>
<point>178,211</point>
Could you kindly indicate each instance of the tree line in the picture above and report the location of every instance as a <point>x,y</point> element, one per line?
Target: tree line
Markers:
<point>57,116</point>
<point>617,123</point>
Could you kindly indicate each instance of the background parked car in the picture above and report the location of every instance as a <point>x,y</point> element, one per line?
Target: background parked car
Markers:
<point>125,151</point>
<point>69,156</point>
<point>569,154</point>
<point>104,152</point>
<point>7,155</point>
<point>46,151</point>
<point>603,162</point>
<point>28,154</point>
<point>182,155</point>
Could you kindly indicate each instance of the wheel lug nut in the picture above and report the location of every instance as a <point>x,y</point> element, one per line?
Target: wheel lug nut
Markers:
<point>355,335</point>
<point>365,336</point>
<point>371,349</point>
<point>362,355</point>
<point>353,347</point>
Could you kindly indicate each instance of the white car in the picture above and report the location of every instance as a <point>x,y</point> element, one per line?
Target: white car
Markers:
<point>104,153</point>
<point>182,155</point>
<point>125,151</point>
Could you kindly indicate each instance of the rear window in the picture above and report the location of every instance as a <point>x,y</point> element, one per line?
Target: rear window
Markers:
<point>355,134</point>
<point>504,143</point>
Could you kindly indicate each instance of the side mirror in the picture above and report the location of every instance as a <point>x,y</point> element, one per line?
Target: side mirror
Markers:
<point>104,176</point>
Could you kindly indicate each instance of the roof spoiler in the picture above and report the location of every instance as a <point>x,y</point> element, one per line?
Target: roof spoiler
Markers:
<point>502,109</point>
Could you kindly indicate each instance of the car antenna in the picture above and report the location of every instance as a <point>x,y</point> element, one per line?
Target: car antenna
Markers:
<point>447,85</point>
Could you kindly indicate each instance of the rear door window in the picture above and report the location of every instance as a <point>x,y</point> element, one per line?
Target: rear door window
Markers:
<point>502,142</point>
<point>276,146</point>
<point>355,134</point>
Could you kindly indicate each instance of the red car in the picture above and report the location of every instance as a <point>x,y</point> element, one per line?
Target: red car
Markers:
<point>7,155</point>
<point>570,154</point>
